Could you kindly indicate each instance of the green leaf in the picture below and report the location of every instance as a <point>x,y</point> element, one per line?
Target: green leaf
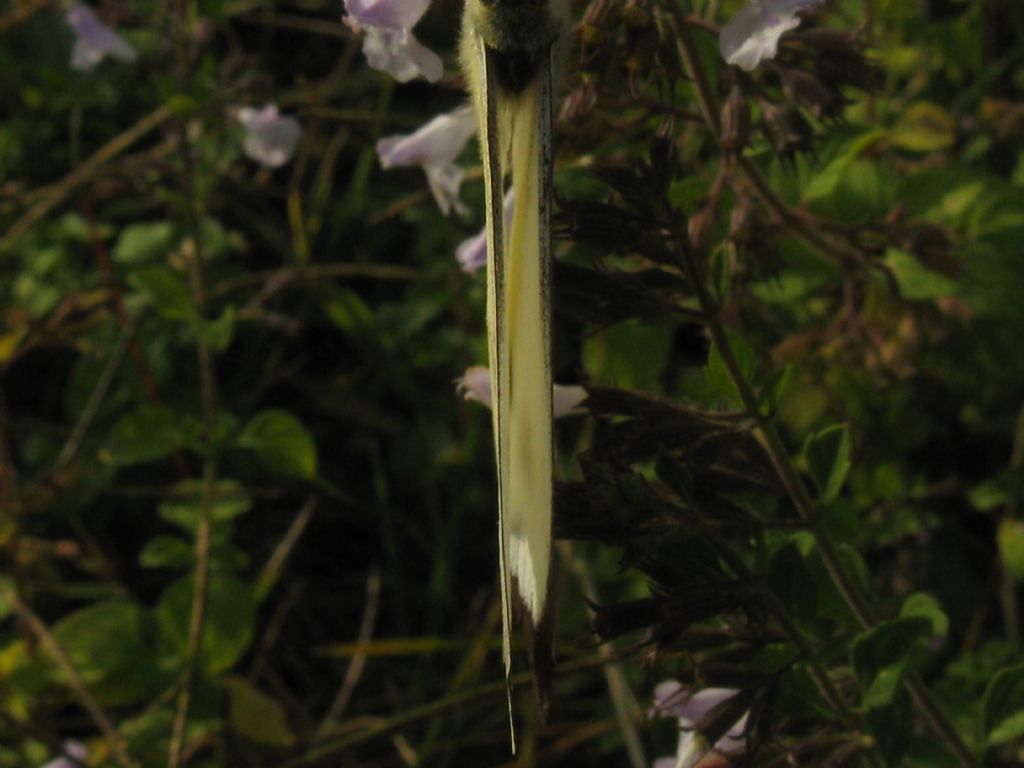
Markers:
<point>827,454</point>
<point>916,281</point>
<point>145,242</point>
<point>882,655</point>
<point>1002,706</point>
<point>824,183</point>
<point>148,433</point>
<point>281,442</point>
<point>167,292</point>
<point>717,373</point>
<point>166,552</point>
<point>184,507</point>
<point>229,625</point>
<point>924,606</point>
<point>630,354</point>
<point>924,127</point>
<point>218,333</point>
<point>1010,539</point>
<point>256,716</point>
<point>102,638</point>
<point>789,578</point>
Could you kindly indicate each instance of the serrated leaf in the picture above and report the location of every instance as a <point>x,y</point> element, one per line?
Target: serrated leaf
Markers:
<point>255,715</point>
<point>827,454</point>
<point>883,655</point>
<point>924,606</point>
<point>1002,706</point>
<point>717,373</point>
<point>229,625</point>
<point>281,442</point>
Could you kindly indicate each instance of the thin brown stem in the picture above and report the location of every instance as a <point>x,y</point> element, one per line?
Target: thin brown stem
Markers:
<point>74,679</point>
<point>192,215</point>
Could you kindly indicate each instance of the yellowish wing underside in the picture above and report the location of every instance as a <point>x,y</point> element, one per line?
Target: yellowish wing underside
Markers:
<point>516,142</point>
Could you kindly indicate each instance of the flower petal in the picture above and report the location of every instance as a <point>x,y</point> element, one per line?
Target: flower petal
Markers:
<point>397,14</point>
<point>94,39</point>
<point>270,138</point>
<point>434,147</point>
<point>753,33</point>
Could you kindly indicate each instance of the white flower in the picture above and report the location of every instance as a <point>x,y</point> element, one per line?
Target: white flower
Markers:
<point>270,139</point>
<point>672,699</point>
<point>472,252</point>
<point>434,147</point>
<point>94,39</point>
<point>72,748</point>
<point>753,33</point>
<point>475,384</point>
<point>389,44</point>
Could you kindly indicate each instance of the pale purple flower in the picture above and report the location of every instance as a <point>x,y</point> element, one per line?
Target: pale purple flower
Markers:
<point>434,147</point>
<point>673,699</point>
<point>389,44</point>
<point>753,33</point>
<point>472,252</point>
<point>72,748</point>
<point>475,384</point>
<point>94,39</point>
<point>270,138</point>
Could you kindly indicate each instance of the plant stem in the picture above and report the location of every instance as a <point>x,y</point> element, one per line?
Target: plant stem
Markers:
<point>192,216</point>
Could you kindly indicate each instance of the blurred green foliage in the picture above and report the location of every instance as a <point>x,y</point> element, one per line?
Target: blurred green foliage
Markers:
<point>219,374</point>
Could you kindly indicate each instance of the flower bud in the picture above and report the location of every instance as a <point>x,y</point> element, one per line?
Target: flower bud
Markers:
<point>787,129</point>
<point>700,227</point>
<point>735,120</point>
<point>806,89</point>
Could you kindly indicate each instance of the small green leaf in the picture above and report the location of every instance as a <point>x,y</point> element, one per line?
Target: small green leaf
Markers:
<point>145,242</point>
<point>256,716</point>
<point>915,280</point>
<point>825,182</point>
<point>281,442</point>
<point>148,433</point>
<point>166,290</point>
<point>183,507</point>
<point>1010,538</point>
<point>925,606</point>
<point>1002,706</point>
<point>166,552</point>
<point>827,454</point>
<point>218,333</point>
<point>717,373</point>
<point>924,127</point>
<point>230,620</point>
<point>882,656</point>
